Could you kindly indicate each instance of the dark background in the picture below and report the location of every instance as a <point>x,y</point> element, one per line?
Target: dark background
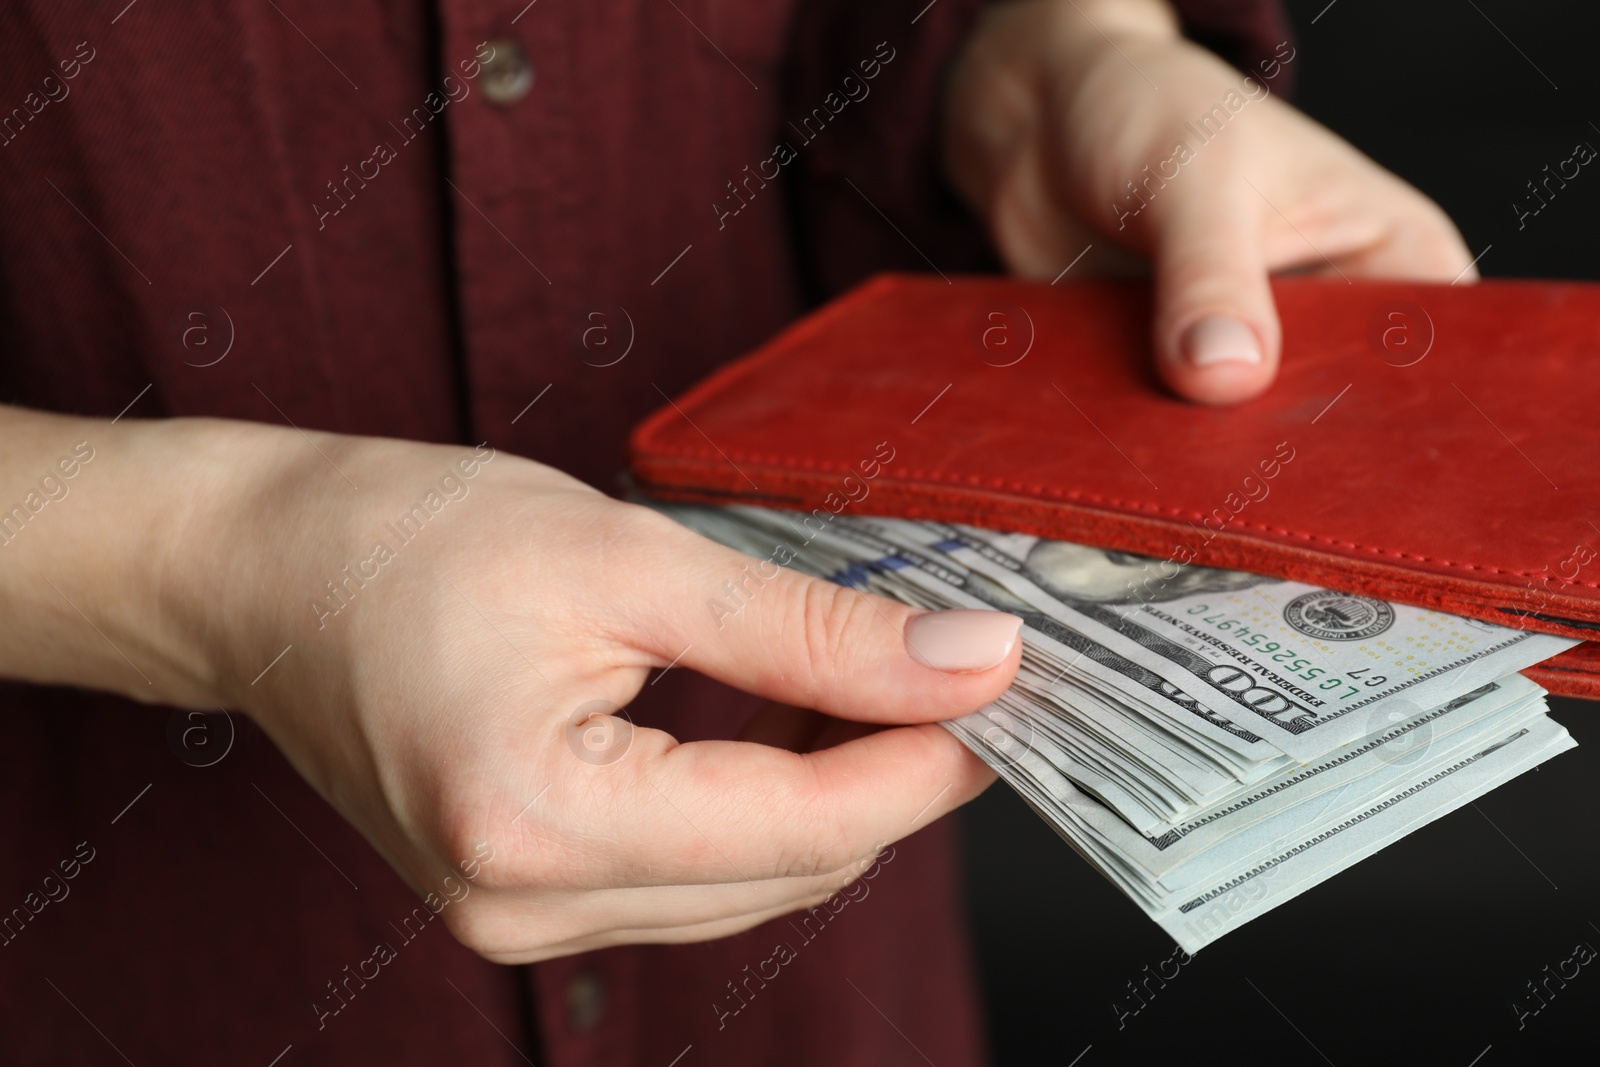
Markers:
<point>1415,955</point>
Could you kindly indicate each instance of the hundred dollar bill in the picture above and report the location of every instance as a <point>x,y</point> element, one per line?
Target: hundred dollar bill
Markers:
<point>1321,794</point>
<point>1287,809</point>
<point>1204,916</point>
<point>1302,667</point>
<point>1394,751</point>
<point>1249,881</point>
<point>862,539</point>
<point>1403,741</point>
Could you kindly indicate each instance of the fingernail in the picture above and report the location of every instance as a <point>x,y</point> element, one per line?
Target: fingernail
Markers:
<point>1220,340</point>
<point>961,640</point>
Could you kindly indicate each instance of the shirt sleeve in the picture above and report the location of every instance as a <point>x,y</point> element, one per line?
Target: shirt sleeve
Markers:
<point>861,97</point>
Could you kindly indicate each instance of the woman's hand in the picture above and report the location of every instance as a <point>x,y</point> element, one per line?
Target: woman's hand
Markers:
<point>441,692</point>
<point>434,635</point>
<point>1078,121</point>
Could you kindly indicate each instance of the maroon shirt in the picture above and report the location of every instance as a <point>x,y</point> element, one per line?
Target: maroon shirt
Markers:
<point>379,250</point>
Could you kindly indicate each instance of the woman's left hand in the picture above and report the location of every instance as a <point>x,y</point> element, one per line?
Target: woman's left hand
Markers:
<point>1071,122</point>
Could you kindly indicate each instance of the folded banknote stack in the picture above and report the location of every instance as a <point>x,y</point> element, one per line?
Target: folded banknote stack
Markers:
<point>1213,742</point>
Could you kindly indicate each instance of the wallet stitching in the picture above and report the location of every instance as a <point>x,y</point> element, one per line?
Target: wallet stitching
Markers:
<point>801,463</point>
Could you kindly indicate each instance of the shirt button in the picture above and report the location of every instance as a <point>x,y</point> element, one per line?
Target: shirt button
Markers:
<point>586,1001</point>
<point>507,75</point>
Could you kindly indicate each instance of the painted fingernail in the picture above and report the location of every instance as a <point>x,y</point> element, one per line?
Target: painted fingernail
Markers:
<point>1220,340</point>
<point>961,640</point>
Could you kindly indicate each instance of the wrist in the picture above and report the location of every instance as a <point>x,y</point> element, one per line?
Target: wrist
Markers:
<point>263,504</point>
<point>107,548</point>
<point>204,499</point>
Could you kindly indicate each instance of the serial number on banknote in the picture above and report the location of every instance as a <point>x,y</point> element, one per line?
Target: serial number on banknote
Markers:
<point>1292,660</point>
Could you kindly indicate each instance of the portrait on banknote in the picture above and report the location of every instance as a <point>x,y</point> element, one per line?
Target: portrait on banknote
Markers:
<point>1107,577</point>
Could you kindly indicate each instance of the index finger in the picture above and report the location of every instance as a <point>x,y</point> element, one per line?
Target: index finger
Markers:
<point>711,812</point>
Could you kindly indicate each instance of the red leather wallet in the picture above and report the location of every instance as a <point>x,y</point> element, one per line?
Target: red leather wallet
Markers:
<point>1428,444</point>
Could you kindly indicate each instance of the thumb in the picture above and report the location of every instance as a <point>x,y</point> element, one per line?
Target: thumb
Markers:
<point>782,635</point>
<point>1217,337</point>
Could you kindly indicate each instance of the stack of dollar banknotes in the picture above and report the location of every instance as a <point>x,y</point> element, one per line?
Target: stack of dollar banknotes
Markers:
<point>1213,742</point>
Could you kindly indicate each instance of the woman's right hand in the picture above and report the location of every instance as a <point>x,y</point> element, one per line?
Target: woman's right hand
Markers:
<point>451,619</point>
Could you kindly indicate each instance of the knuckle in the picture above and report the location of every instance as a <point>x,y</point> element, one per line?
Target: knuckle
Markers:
<point>503,933</point>
<point>644,524</point>
<point>828,847</point>
<point>637,532</point>
<point>809,862</point>
<point>477,850</point>
<point>461,819</point>
<point>477,929</point>
<point>461,827</point>
<point>830,618</point>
